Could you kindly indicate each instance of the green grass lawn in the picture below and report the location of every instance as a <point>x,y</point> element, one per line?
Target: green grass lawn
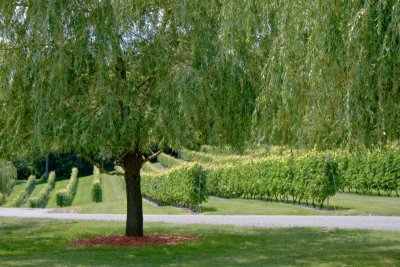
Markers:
<point>356,204</point>
<point>223,206</point>
<point>17,189</point>
<point>340,204</point>
<point>38,187</point>
<point>114,198</point>
<point>29,242</point>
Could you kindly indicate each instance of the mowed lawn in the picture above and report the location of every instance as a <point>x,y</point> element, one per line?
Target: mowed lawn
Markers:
<point>17,190</point>
<point>36,191</point>
<point>32,242</point>
<point>114,198</point>
<point>340,204</point>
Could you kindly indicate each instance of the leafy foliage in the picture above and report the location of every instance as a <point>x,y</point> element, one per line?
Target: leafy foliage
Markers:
<point>64,197</point>
<point>95,75</point>
<point>184,186</point>
<point>41,199</point>
<point>307,178</point>
<point>23,168</point>
<point>21,198</point>
<point>148,167</point>
<point>331,72</point>
<point>96,190</point>
<point>195,156</point>
<point>378,170</point>
<point>168,161</point>
<point>8,175</point>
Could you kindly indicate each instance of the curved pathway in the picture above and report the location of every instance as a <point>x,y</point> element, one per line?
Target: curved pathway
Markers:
<point>387,223</point>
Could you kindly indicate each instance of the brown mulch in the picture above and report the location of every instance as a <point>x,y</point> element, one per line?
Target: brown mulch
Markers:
<point>117,240</point>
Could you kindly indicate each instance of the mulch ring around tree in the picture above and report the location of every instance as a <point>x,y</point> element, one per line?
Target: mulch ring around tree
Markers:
<point>118,241</point>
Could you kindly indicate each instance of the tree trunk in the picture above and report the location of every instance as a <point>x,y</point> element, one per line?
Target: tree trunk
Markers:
<point>132,163</point>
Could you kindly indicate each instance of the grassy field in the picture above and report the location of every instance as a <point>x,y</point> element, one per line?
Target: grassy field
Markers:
<point>355,204</point>
<point>46,243</point>
<point>215,206</point>
<point>340,204</point>
<point>17,189</point>
<point>38,187</point>
<point>114,198</point>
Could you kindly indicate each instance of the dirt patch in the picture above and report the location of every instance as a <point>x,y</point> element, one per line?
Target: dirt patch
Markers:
<point>117,241</point>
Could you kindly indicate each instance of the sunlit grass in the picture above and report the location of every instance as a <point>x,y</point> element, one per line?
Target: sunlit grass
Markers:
<point>46,243</point>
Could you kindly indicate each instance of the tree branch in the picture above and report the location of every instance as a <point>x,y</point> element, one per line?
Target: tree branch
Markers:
<point>151,157</point>
<point>147,79</point>
<point>119,160</point>
<point>88,159</point>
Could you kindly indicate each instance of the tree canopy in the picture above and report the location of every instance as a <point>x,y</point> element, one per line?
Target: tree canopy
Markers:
<point>76,76</point>
<point>124,76</point>
<point>117,74</point>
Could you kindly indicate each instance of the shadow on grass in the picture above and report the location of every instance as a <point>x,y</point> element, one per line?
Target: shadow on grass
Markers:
<point>208,209</point>
<point>48,245</point>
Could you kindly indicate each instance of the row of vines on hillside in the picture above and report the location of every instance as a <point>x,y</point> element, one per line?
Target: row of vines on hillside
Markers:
<point>25,193</point>
<point>96,190</point>
<point>181,186</point>
<point>168,161</point>
<point>41,199</point>
<point>64,197</point>
<point>377,171</point>
<point>309,179</point>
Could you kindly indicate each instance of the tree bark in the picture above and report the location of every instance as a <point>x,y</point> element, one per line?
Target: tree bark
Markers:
<point>132,163</point>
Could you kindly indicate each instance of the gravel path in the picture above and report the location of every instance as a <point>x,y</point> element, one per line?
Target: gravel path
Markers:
<point>389,223</point>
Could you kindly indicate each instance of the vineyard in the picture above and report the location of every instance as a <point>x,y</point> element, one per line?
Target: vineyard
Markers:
<point>195,178</point>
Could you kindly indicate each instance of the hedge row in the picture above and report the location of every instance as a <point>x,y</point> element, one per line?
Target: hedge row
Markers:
<point>40,201</point>
<point>309,178</point>
<point>97,191</point>
<point>29,186</point>
<point>377,171</point>
<point>183,186</point>
<point>64,197</point>
<point>148,167</point>
<point>168,161</point>
<point>194,156</point>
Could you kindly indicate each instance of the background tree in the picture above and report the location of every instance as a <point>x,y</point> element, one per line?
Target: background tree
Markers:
<point>331,77</point>
<point>8,175</point>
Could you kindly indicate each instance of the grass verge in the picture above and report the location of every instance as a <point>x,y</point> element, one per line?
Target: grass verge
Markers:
<point>28,242</point>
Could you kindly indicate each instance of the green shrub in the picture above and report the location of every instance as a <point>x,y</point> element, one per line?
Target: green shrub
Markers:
<point>194,156</point>
<point>309,178</point>
<point>148,167</point>
<point>64,197</point>
<point>97,191</point>
<point>378,171</point>
<point>168,161</point>
<point>20,199</point>
<point>8,175</point>
<point>41,199</point>
<point>184,186</point>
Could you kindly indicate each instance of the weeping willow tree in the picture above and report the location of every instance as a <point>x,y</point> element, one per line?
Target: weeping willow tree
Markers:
<point>120,76</point>
<point>8,175</point>
<point>124,76</point>
<point>331,75</point>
